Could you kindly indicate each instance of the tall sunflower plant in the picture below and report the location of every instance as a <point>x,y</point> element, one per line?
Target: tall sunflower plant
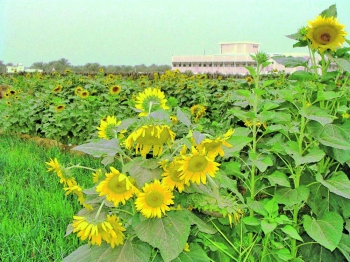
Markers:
<point>161,194</point>
<point>325,37</point>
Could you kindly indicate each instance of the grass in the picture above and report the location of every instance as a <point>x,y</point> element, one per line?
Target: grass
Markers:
<point>34,211</point>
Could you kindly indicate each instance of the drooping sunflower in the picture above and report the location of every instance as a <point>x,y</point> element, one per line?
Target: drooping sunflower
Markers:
<point>96,230</point>
<point>97,175</point>
<point>77,90</point>
<point>107,128</point>
<point>326,33</point>
<point>116,187</point>
<point>195,166</point>
<point>172,176</point>
<point>84,94</point>
<point>61,172</point>
<point>150,137</point>
<point>154,200</point>
<point>57,89</point>
<point>150,100</point>
<point>197,111</point>
<point>60,108</point>
<point>115,89</point>
<point>214,146</point>
<point>75,190</point>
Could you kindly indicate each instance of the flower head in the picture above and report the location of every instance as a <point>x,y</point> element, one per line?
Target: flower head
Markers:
<point>57,89</point>
<point>77,90</point>
<point>172,176</point>
<point>150,137</point>
<point>115,89</point>
<point>59,108</point>
<point>214,146</point>
<point>325,33</point>
<point>195,166</point>
<point>107,128</point>
<point>116,187</point>
<point>150,100</point>
<point>197,111</point>
<point>61,172</point>
<point>109,230</point>
<point>84,94</point>
<point>154,200</point>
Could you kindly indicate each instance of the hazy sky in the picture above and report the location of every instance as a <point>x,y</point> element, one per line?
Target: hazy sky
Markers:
<point>132,32</point>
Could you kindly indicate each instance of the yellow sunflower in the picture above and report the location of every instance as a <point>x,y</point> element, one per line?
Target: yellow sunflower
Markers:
<point>197,111</point>
<point>115,89</point>
<point>97,175</point>
<point>75,190</point>
<point>195,166</point>
<point>154,200</point>
<point>8,103</point>
<point>150,100</point>
<point>214,146</point>
<point>59,108</point>
<point>150,137</point>
<point>107,128</point>
<point>84,94</point>
<point>61,172</point>
<point>116,187</point>
<point>172,176</point>
<point>78,90</point>
<point>326,33</point>
<point>57,89</point>
<point>109,230</point>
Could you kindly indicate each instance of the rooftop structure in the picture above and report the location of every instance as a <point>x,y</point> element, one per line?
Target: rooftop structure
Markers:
<point>232,59</point>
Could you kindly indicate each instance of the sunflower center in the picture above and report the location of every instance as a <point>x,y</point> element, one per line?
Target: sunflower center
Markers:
<point>326,37</point>
<point>197,164</point>
<point>154,198</point>
<point>174,174</point>
<point>117,186</point>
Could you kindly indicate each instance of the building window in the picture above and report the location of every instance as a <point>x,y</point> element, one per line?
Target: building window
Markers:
<point>255,46</point>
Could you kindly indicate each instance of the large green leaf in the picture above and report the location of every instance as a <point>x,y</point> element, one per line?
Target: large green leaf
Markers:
<point>327,231</point>
<point>237,142</point>
<point>338,183</point>
<point>330,11</point>
<point>289,61</point>
<point>131,251</point>
<point>314,155</point>
<point>302,76</point>
<point>278,178</point>
<point>344,246</point>
<point>202,225</point>
<point>290,197</point>
<point>100,148</point>
<point>291,231</point>
<point>317,114</point>
<point>169,234</point>
<point>196,254</point>
<point>183,118</point>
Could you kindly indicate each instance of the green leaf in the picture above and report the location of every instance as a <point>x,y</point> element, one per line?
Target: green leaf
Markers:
<point>315,252</point>
<point>338,184</point>
<point>262,162</point>
<point>278,178</point>
<point>251,221</point>
<point>317,114</point>
<point>251,70</point>
<point>202,225</point>
<point>290,197</point>
<point>302,76</point>
<point>100,148</point>
<point>341,62</point>
<point>169,234</point>
<point>268,227</point>
<point>268,83</point>
<point>140,172</point>
<point>183,118</point>
<point>231,184</point>
<point>314,155</point>
<point>331,11</point>
<point>290,61</point>
<point>334,136</point>
<point>326,95</point>
<point>198,136</point>
<point>326,231</point>
<point>291,231</point>
<point>196,254</point>
<point>271,207</point>
<point>238,143</point>
<point>131,251</point>
<point>344,246</point>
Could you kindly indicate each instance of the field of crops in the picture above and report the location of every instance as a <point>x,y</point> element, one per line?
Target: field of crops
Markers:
<point>198,167</point>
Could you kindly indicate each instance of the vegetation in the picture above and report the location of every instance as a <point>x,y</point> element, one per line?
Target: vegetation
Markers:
<point>198,168</point>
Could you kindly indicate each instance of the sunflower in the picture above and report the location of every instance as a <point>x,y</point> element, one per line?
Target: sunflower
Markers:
<point>67,71</point>
<point>249,80</point>
<point>59,108</point>
<point>214,146</point>
<point>115,89</point>
<point>150,100</point>
<point>174,120</point>
<point>57,89</point>
<point>107,128</point>
<point>101,70</point>
<point>12,92</point>
<point>84,94</point>
<point>109,230</point>
<point>197,111</point>
<point>172,176</point>
<point>97,175</point>
<point>78,90</point>
<point>150,137</point>
<point>8,103</point>
<point>195,166</point>
<point>116,187</point>
<point>325,33</point>
<point>75,190</point>
<point>154,200</point>
<point>61,171</point>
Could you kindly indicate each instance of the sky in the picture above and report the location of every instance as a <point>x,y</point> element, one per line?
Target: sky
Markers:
<point>134,32</point>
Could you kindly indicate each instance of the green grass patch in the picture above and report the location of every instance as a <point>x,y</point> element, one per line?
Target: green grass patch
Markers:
<point>34,209</point>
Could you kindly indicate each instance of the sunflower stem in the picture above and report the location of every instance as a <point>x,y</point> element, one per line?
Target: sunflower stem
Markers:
<point>82,167</point>
<point>99,210</point>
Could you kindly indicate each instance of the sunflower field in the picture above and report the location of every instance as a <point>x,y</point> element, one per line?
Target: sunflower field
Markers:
<point>202,167</point>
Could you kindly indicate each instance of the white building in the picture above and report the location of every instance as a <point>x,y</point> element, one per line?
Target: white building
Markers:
<point>20,68</point>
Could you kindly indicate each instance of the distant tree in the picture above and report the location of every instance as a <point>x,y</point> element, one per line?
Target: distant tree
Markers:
<point>2,67</point>
<point>38,65</point>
